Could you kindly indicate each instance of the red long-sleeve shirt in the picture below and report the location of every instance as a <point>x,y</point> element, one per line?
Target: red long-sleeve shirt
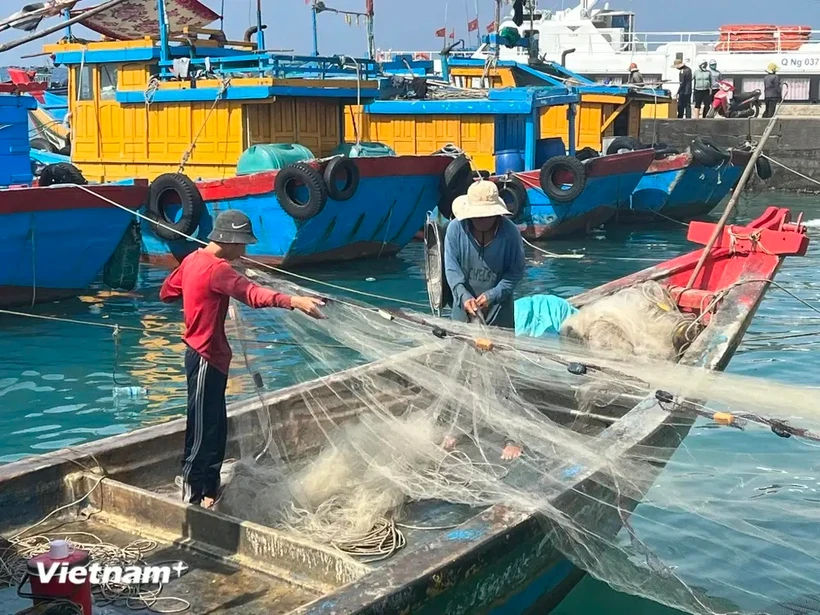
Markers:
<point>206,283</point>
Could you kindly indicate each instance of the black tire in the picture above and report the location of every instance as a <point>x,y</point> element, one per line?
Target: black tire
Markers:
<point>660,154</point>
<point>301,173</point>
<point>588,153</point>
<point>514,194</point>
<point>457,177</point>
<point>341,168</point>
<point>183,191</point>
<point>42,144</point>
<point>619,143</point>
<point>61,173</point>
<point>708,153</point>
<point>763,168</point>
<point>569,164</point>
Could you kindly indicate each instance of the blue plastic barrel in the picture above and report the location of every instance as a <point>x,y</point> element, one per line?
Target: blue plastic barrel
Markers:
<point>548,148</point>
<point>271,157</point>
<point>363,150</point>
<point>509,160</point>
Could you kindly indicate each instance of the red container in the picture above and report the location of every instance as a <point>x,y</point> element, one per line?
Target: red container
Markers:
<point>55,588</point>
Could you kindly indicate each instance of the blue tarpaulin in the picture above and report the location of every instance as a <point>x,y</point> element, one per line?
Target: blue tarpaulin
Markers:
<point>541,315</point>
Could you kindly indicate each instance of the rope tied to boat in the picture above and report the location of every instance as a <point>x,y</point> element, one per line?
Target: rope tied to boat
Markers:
<point>226,82</point>
<point>753,238</point>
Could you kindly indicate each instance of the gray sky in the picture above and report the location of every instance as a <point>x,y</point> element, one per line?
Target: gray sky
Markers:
<point>410,24</point>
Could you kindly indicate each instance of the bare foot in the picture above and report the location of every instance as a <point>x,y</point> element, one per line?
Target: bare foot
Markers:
<point>449,443</point>
<point>510,452</point>
<point>208,503</point>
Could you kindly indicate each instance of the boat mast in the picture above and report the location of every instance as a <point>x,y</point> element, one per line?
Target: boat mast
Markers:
<point>163,31</point>
<point>497,28</point>
<point>315,11</point>
<point>371,38</point>
<point>260,35</point>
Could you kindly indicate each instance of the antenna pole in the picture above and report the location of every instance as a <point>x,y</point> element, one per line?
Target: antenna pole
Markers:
<point>497,28</point>
<point>315,30</point>
<point>371,37</point>
<point>162,21</point>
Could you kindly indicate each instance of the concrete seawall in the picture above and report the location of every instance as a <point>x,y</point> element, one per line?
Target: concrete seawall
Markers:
<point>795,142</point>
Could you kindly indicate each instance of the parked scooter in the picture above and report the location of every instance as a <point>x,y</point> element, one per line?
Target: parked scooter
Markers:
<point>728,104</point>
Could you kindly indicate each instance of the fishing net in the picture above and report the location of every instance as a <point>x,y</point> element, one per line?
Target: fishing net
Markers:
<point>689,487</point>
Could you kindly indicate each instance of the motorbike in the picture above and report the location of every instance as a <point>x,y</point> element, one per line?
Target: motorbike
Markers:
<point>731,105</point>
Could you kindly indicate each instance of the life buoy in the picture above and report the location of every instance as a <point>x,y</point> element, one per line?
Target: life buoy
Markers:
<point>303,174</point>
<point>514,194</point>
<point>169,190</point>
<point>438,290</point>
<point>619,143</point>
<point>708,153</point>
<point>61,173</point>
<point>342,169</point>
<point>555,189</point>
<point>763,168</point>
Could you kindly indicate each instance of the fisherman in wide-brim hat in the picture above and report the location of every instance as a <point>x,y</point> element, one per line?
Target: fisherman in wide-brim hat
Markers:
<point>483,262</point>
<point>206,282</point>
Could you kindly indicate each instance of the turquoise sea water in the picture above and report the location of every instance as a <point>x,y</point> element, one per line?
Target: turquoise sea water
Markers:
<point>57,380</point>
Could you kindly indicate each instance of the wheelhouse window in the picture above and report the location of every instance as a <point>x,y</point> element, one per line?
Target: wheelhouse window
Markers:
<point>83,85</point>
<point>108,82</point>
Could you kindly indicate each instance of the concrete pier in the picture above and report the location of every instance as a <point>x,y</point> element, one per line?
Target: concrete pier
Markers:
<point>795,142</point>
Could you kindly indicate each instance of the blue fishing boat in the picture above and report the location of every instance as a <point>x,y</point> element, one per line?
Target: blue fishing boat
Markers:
<point>233,126</point>
<point>54,239</point>
<point>683,186</point>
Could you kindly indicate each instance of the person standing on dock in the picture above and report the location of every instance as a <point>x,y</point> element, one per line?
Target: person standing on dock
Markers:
<point>206,282</point>
<point>703,89</point>
<point>684,90</point>
<point>772,90</point>
<point>483,257</point>
<point>635,76</point>
<point>716,78</point>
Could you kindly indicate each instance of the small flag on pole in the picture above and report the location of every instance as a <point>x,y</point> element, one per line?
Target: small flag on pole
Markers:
<point>441,33</point>
<point>452,34</point>
<point>491,27</point>
<point>472,26</point>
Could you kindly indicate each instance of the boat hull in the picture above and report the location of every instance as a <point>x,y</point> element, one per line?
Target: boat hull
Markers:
<point>610,183</point>
<point>680,188</point>
<point>389,206</point>
<point>55,241</point>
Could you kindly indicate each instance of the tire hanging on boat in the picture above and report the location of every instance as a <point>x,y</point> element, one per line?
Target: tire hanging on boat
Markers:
<point>42,144</point>
<point>553,189</point>
<point>183,192</point>
<point>61,173</point>
<point>122,269</point>
<point>301,174</point>
<point>438,291</point>
<point>763,168</point>
<point>708,153</point>
<point>619,143</point>
<point>514,194</point>
<point>343,169</point>
<point>456,179</point>
<point>587,153</point>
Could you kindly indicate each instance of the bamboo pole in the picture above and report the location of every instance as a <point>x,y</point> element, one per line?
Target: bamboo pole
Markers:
<point>60,26</point>
<point>747,173</point>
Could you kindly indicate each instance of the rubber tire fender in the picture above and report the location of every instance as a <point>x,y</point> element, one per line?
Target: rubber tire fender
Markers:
<point>42,144</point>
<point>708,153</point>
<point>514,194</point>
<point>660,154</point>
<point>563,163</point>
<point>457,177</point>
<point>189,199</point>
<point>345,168</point>
<point>587,153</point>
<point>619,143</point>
<point>317,191</point>
<point>61,173</point>
<point>763,168</point>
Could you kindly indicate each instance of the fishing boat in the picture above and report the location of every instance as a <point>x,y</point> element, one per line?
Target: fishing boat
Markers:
<point>685,185</point>
<point>54,239</point>
<point>124,485</point>
<point>217,124</point>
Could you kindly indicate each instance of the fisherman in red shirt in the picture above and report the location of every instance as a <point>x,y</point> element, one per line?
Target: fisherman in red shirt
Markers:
<point>206,282</point>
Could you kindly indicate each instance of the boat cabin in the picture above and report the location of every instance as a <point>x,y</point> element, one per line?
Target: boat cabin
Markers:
<point>140,108</point>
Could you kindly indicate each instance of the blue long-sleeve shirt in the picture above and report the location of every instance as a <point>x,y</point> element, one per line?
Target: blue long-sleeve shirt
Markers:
<point>493,270</point>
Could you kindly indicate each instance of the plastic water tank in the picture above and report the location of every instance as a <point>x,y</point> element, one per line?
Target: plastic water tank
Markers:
<point>15,163</point>
<point>509,160</point>
<point>548,148</point>
<point>271,157</point>
<point>363,150</point>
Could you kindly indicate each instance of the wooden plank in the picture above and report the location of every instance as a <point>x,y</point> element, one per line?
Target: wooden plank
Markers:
<point>613,117</point>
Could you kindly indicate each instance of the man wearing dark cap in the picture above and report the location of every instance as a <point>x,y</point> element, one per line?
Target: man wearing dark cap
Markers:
<point>206,282</point>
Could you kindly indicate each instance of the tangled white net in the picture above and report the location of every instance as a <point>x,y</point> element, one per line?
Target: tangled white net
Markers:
<point>694,504</point>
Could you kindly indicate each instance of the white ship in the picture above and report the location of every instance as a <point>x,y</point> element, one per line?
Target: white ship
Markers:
<point>601,43</point>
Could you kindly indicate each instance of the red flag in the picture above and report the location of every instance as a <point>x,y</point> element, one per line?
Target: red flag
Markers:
<point>452,34</point>
<point>472,26</point>
<point>369,9</point>
<point>491,27</point>
<point>441,32</point>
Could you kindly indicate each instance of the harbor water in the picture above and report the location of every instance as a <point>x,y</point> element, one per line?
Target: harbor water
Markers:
<point>64,383</point>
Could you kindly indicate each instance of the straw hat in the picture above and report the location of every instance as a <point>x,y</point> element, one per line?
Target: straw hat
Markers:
<point>771,68</point>
<point>481,201</point>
